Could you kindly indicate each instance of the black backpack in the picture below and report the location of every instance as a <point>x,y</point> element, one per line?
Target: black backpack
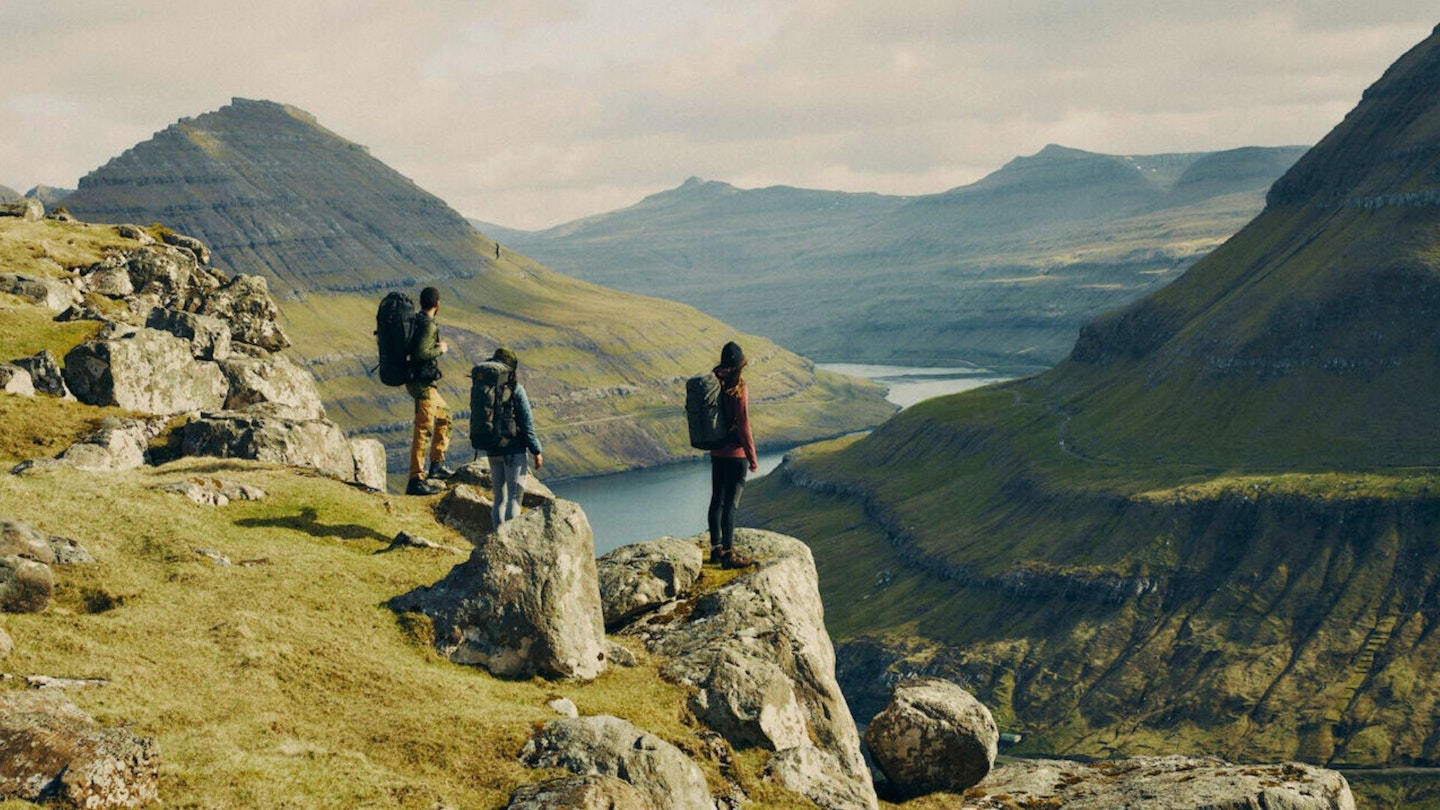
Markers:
<point>493,427</point>
<point>709,427</point>
<point>392,336</point>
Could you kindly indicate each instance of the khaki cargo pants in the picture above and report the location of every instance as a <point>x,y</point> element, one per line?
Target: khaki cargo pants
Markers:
<point>432,420</point>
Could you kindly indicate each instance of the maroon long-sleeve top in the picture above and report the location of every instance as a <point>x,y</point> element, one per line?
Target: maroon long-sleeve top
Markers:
<point>737,409</point>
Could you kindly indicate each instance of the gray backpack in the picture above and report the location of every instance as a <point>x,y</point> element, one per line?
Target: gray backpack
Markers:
<point>705,413</point>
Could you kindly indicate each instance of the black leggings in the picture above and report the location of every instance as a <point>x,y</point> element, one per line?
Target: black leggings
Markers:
<point>727,482</point>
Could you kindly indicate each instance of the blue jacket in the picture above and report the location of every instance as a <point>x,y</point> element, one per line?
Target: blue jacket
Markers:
<point>525,425</point>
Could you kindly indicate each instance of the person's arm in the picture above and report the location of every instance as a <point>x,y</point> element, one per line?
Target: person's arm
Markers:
<point>526,424</point>
<point>426,346</point>
<point>742,427</point>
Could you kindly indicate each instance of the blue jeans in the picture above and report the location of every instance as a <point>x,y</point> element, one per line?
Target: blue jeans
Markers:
<point>508,475</point>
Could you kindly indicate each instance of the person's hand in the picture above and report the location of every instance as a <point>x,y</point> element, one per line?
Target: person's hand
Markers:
<point>444,347</point>
<point>754,467</point>
<point>539,461</point>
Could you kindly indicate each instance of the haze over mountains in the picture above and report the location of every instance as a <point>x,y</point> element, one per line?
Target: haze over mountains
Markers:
<point>273,193</point>
<point>1001,272</point>
<point>1211,528</point>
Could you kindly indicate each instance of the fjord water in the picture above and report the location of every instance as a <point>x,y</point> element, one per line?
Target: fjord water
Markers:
<point>671,500</point>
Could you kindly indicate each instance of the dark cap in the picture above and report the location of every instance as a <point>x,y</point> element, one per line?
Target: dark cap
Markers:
<point>506,356</point>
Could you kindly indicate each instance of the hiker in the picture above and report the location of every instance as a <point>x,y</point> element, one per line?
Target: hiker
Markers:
<point>432,418</point>
<point>728,464</point>
<point>507,466</point>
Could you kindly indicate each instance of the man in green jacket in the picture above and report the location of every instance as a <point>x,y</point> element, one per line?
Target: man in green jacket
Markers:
<point>432,417</point>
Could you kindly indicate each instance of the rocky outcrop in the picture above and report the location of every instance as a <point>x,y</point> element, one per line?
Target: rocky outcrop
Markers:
<point>527,602</point>
<point>16,380</point>
<point>609,746</point>
<point>369,455</point>
<point>47,292</point>
<point>477,474</point>
<point>213,491</point>
<point>592,792</point>
<point>1159,783</point>
<point>757,653</point>
<point>50,750</point>
<point>641,577</point>
<point>273,381</point>
<point>209,336</point>
<point>24,208</point>
<point>26,557</point>
<point>934,736</point>
<point>318,443</point>
<point>143,370</point>
<point>118,444</point>
<point>45,374</point>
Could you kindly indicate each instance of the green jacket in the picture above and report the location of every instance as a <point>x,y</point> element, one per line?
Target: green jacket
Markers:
<point>424,350</point>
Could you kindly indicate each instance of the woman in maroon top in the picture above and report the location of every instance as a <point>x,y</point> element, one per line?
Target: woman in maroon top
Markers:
<point>729,463</point>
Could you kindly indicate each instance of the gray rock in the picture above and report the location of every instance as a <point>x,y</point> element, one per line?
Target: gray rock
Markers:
<point>190,243</point>
<point>119,444</point>
<point>144,370</point>
<point>69,552</point>
<point>592,792</point>
<point>408,540</point>
<point>638,578</point>
<point>209,337</point>
<point>477,474</point>
<point>208,491</point>
<point>527,601</point>
<point>609,746</point>
<point>45,374</point>
<point>110,278</point>
<point>136,233</point>
<point>1161,783</point>
<point>167,276</point>
<point>275,381</point>
<point>16,380</point>
<point>369,455</point>
<point>934,736</point>
<point>25,585</point>
<point>51,293</point>
<point>565,707</point>
<point>467,510</point>
<point>49,749</point>
<point>19,539</point>
<point>244,302</point>
<point>757,652</point>
<point>316,443</point>
<point>30,210</point>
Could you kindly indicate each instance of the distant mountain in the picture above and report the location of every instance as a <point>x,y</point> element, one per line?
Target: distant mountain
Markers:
<point>274,193</point>
<point>1213,526</point>
<point>8,194</point>
<point>1001,272</point>
<point>49,195</point>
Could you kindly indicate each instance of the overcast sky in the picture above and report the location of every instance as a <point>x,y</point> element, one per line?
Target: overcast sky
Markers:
<point>529,113</point>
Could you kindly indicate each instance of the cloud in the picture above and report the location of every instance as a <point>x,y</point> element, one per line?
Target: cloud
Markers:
<point>533,112</point>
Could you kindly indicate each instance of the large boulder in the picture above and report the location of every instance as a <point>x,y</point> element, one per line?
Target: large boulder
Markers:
<point>934,736</point>
<point>45,374</point>
<point>209,336</point>
<point>1160,783</point>
<point>30,210</point>
<point>50,750</point>
<point>19,539</point>
<point>763,667</point>
<point>16,380</point>
<point>467,509</point>
<point>143,370</point>
<point>119,444</point>
<point>274,380</point>
<point>190,243</point>
<point>591,792</point>
<point>477,474</point>
<point>245,303</point>
<point>51,293</point>
<point>316,443</point>
<point>369,455</point>
<point>641,577</point>
<point>527,601</point>
<point>610,746</point>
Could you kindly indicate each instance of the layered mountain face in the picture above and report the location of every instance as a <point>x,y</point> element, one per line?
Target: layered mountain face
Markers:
<point>273,193</point>
<point>1212,528</point>
<point>1001,272</point>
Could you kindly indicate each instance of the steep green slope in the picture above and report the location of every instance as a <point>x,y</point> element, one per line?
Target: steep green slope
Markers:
<point>1211,529</point>
<point>273,193</point>
<point>1002,272</point>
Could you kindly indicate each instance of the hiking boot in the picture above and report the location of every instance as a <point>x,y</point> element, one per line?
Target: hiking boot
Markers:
<point>419,486</point>
<point>717,554</point>
<point>439,471</point>
<point>737,559</point>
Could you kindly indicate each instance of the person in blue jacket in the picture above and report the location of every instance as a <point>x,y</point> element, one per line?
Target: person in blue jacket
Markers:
<point>508,467</point>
